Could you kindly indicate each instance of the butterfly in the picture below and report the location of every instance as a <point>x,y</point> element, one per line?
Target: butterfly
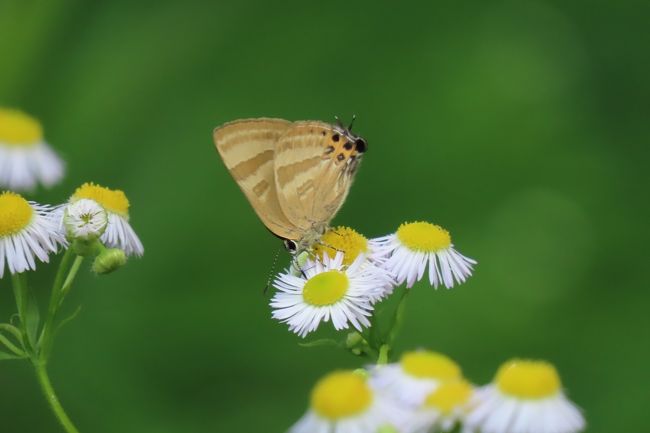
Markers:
<point>296,175</point>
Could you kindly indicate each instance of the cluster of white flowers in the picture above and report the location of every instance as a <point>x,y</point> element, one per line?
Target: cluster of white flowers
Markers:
<point>341,280</point>
<point>30,231</point>
<point>425,392</point>
<point>346,274</point>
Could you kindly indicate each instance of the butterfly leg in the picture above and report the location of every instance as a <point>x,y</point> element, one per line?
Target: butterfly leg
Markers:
<point>330,246</point>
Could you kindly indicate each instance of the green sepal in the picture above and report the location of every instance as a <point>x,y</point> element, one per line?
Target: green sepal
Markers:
<point>86,248</point>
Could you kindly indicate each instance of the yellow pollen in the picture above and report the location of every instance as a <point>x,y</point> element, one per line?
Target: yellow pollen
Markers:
<point>112,200</point>
<point>528,379</point>
<point>19,129</point>
<point>326,288</point>
<point>449,396</point>
<point>423,236</point>
<point>344,239</point>
<point>15,213</point>
<point>424,364</point>
<point>341,394</point>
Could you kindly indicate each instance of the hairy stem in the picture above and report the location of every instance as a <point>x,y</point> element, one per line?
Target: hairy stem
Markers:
<point>52,399</point>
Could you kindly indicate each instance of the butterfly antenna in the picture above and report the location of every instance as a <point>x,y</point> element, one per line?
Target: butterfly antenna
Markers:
<point>354,117</point>
<point>275,262</point>
<point>339,123</point>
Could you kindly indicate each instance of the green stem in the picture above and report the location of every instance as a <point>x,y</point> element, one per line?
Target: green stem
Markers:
<point>71,276</point>
<point>59,292</point>
<point>384,350</point>
<point>19,284</point>
<point>54,296</point>
<point>52,399</point>
<point>398,318</point>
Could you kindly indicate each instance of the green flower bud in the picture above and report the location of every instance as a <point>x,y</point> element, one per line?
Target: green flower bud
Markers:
<point>354,339</point>
<point>108,261</point>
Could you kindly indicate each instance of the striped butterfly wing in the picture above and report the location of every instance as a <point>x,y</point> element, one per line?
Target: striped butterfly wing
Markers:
<point>247,147</point>
<point>315,164</point>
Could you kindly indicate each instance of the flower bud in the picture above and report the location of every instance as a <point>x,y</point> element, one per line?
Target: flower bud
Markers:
<point>108,261</point>
<point>354,339</point>
<point>84,220</point>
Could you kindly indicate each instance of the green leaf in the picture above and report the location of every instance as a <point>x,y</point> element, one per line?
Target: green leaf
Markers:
<point>14,348</point>
<point>32,318</point>
<point>7,356</point>
<point>319,343</point>
<point>11,329</point>
<point>68,319</point>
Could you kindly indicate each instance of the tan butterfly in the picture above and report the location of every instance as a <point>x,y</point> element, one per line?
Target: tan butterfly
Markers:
<point>296,175</point>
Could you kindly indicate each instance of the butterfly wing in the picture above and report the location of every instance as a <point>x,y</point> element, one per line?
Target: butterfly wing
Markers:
<point>315,164</point>
<point>247,148</point>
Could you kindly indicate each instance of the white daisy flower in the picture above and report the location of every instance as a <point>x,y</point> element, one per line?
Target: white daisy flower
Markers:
<point>353,244</point>
<point>415,376</point>
<point>118,233</point>
<point>84,219</point>
<point>525,397</point>
<point>407,252</point>
<point>326,290</point>
<point>27,232</point>
<point>442,409</point>
<point>344,402</point>
<point>25,158</point>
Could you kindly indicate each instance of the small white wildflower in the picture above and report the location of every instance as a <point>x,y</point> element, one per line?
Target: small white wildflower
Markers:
<point>25,158</point>
<point>85,219</point>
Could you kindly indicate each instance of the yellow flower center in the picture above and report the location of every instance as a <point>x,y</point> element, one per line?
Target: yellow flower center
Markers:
<point>341,394</point>
<point>449,396</point>
<point>528,379</point>
<point>112,200</point>
<point>430,365</point>
<point>326,288</point>
<point>15,213</point>
<point>342,239</point>
<point>423,236</point>
<point>19,129</point>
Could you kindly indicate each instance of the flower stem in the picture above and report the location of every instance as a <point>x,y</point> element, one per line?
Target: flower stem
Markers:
<point>398,317</point>
<point>70,278</point>
<point>384,351</point>
<point>60,289</point>
<point>19,284</point>
<point>39,350</point>
<point>52,399</point>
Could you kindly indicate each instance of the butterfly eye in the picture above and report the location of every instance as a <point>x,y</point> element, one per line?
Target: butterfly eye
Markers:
<point>361,145</point>
<point>290,245</point>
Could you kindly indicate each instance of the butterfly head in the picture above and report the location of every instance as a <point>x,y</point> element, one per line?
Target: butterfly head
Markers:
<point>350,140</point>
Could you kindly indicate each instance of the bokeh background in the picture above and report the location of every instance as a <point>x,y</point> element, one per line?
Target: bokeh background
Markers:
<point>521,126</point>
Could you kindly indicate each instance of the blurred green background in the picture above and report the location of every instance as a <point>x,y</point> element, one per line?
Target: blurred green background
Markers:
<point>521,126</point>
